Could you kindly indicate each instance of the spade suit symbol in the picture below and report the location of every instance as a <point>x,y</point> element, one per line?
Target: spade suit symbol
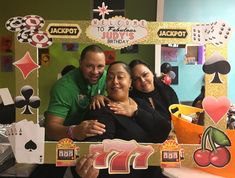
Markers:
<point>30,145</point>
<point>216,64</point>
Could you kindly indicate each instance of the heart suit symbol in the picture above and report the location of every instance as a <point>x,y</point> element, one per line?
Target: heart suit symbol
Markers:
<point>216,108</point>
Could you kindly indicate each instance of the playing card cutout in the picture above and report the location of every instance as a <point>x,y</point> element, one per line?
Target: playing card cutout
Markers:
<point>26,65</point>
<point>27,100</point>
<point>216,108</point>
<point>27,147</point>
<point>216,64</point>
<point>30,145</point>
<point>5,97</point>
<point>20,132</point>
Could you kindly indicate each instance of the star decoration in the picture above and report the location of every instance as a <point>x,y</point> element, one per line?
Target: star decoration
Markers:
<point>26,65</point>
<point>103,10</point>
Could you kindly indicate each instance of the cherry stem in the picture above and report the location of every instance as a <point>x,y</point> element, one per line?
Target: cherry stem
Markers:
<point>204,137</point>
<point>211,140</point>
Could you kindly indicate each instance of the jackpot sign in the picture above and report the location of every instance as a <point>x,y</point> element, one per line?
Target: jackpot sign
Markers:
<point>117,32</point>
<point>60,30</point>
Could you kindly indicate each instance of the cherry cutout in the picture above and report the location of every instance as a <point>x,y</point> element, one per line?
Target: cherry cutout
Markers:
<point>202,157</point>
<point>220,157</point>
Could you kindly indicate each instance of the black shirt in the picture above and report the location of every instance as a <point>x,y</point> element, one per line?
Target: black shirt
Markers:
<point>163,96</point>
<point>147,126</point>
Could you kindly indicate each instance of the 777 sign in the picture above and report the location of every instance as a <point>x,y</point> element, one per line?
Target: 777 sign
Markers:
<point>116,155</point>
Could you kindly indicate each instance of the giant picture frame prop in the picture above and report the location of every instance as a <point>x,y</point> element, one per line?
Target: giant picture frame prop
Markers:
<point>157,33</point>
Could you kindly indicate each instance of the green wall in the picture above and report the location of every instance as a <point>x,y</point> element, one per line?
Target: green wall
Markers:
<point>68,10</point>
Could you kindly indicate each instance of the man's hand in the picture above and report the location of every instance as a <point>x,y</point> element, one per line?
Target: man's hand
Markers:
<point>98,101</point>
<point>84,167</point>
<point>88,128</point>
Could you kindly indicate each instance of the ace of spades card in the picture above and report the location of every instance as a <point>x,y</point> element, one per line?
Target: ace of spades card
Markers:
<point>29,143</point>
<point>11,132</point>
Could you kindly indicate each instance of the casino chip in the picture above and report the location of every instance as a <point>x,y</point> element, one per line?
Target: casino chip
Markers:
<point>33,22</point>
<point>40,39</point>
<point>24,35</point>
<point>14,24</point>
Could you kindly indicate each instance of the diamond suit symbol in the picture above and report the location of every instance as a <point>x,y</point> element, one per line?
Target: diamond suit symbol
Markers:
<point>26,65</point>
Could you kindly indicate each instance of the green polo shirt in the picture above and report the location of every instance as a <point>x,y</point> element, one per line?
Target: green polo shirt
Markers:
<point>71,95</point>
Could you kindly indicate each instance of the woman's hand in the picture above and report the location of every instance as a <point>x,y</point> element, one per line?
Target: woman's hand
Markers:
<point>84,167</point>
<point>88,128</point>
<point>98,101</point>
<point>124,109</point>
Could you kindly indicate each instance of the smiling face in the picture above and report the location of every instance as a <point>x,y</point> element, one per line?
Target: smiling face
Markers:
<point>143,79</point>
<point>118,82</point>
<point>92,66</point>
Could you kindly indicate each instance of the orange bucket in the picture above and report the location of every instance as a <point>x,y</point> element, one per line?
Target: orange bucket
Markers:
<point>186,132</point>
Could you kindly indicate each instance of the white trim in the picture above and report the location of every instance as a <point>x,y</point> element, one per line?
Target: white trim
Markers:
<point>159,18</point>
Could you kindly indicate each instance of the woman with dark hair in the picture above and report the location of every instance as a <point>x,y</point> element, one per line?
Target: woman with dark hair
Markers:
<point>151,89</point>
<point>128,119</point>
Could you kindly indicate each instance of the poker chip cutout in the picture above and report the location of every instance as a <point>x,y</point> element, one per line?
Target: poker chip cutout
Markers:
<point>24,35</point>
<point>40,39</point>
<point>33,22</point>
<point>14,24</point>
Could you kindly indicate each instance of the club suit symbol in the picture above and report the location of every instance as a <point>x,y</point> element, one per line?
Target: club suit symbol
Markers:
<point>30,145</point>
<point>27,100</point>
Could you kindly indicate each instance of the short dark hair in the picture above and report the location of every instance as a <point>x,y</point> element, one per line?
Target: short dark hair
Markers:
<point>125,66</point>
<point>92,48</point>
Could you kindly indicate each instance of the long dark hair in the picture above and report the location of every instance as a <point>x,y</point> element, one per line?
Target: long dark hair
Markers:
<point>136,62</point>
<point>158,85</point>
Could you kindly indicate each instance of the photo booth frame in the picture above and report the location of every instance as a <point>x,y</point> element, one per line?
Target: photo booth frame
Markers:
<point>157,33</point>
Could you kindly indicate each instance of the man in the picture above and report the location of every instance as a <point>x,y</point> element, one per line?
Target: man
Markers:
<point>69,100</point>
<point>71,95</point>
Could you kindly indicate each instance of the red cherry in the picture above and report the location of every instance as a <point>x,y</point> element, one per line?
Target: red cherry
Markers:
<point>202,157</point>
<point>220,157</point>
